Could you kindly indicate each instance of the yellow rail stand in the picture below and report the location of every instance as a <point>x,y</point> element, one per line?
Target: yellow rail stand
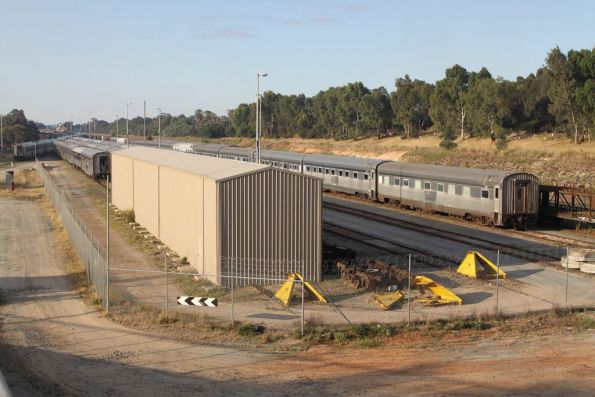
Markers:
<point>284,293</point>
<point>442,295</point>
<point>388,300</point>
<point>476,265</point>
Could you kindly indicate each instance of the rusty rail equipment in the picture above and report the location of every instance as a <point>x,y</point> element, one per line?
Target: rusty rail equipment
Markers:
<point>372,275</point>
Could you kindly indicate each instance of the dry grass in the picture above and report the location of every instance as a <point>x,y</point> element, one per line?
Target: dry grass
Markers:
<point>28,186</point>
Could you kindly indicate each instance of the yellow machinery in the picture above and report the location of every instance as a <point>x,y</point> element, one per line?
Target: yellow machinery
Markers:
<point>284,293</point>
<point>469,266</point>
<point>441,294</point>
<point>388,300</point>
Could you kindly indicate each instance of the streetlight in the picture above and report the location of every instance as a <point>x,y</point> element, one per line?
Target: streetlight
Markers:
<point>258,114</point>
<point>91,121</point>
<point>117,127</point>
<point>144,120</point>
<point>159,127</point>
<point>1,134</point>
<point>127,138</point>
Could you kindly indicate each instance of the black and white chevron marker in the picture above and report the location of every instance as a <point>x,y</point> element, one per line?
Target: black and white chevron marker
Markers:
<point>197,301</point>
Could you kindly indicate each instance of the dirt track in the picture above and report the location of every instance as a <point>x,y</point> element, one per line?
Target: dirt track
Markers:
<point>53,344</point>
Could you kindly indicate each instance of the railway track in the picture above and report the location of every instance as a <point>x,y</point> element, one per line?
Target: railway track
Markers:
<point>424,256</point>
<point>419,257</point>
<point>558,239</point>
<point>516,250</point>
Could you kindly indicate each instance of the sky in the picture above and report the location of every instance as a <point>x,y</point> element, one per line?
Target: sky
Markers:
<point>63,60</point>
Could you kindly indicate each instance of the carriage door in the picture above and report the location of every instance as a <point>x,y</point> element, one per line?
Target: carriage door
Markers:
<point>520,197</point>
<point>497,204</point>
<point>103,165</point>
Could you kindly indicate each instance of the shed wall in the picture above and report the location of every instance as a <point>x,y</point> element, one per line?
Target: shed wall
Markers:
<point>122,182</point>
<point>145,195</point>
<point>271,221</point>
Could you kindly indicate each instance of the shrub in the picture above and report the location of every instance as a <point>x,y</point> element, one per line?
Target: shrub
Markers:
<point>250,330</point>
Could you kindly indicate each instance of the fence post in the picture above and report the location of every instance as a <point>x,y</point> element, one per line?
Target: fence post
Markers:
<point>106,246</point>
<point>303,281</point>
<point>567,253</point>
<point>497,283</point>
<point>166,286</point>
<point>409,293</point>
<point>231,264</point>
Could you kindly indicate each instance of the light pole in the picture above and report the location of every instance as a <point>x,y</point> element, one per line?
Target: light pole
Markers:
<point>117,126</point>
<point>91,118</point>
<point>159,127</point>
<point>1,134</point>
<point>127,138</point>
<point>258,125</point>
<point>144,120</point>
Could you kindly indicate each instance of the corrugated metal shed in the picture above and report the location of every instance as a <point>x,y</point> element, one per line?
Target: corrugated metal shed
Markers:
<point>224,216</point>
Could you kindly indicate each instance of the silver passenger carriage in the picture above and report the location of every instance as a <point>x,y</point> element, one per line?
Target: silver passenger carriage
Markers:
<point>29,150</point>
<point>491,196</point>
<point>238,153</point>
<point>208,149</point>
<point>285,160</point>
<point>351,175</point>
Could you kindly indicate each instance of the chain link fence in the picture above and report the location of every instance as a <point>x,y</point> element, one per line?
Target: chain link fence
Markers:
<point>91,253</point>
<point>391,288</point>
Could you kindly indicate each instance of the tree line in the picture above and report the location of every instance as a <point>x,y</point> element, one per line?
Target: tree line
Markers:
<point>560,96</point>
<point>16,128</point>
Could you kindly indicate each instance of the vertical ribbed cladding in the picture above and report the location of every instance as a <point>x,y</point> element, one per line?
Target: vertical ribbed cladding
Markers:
<point>270,224</point>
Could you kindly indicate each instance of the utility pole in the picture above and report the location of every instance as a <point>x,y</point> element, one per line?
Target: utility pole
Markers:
<point>258,125</point>
<point>159,127</point>
<point>127,136</point>
<point>144,120</point>
<point>117,127</point>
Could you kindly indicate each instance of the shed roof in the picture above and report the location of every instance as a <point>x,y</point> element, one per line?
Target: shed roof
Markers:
<point>208,167</point>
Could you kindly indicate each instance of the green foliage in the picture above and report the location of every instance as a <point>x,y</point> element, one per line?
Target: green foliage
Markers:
<point>411,105</point>
<point>17,129</point>
<point>560,95</point>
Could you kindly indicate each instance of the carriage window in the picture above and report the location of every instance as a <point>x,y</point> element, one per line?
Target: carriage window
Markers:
<point>347,174</point>
<point>340,173</point>
<point>320,170</point>
<point>397,181</point>
<point>332,172</point>
<point>366,177</point>
<point>458,189</point>
<point>485,194</point>
<point>405,182</point>
<point>496,192</point>
<point>427,186</point>
<point>308,168</point>
<point>275,164</point>
<point>466,191</point>
<point>441,187</point>
<point>326,170</point>
<point>355,175</point>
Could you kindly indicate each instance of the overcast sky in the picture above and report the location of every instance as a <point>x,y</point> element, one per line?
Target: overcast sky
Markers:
<point>66,59</point>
